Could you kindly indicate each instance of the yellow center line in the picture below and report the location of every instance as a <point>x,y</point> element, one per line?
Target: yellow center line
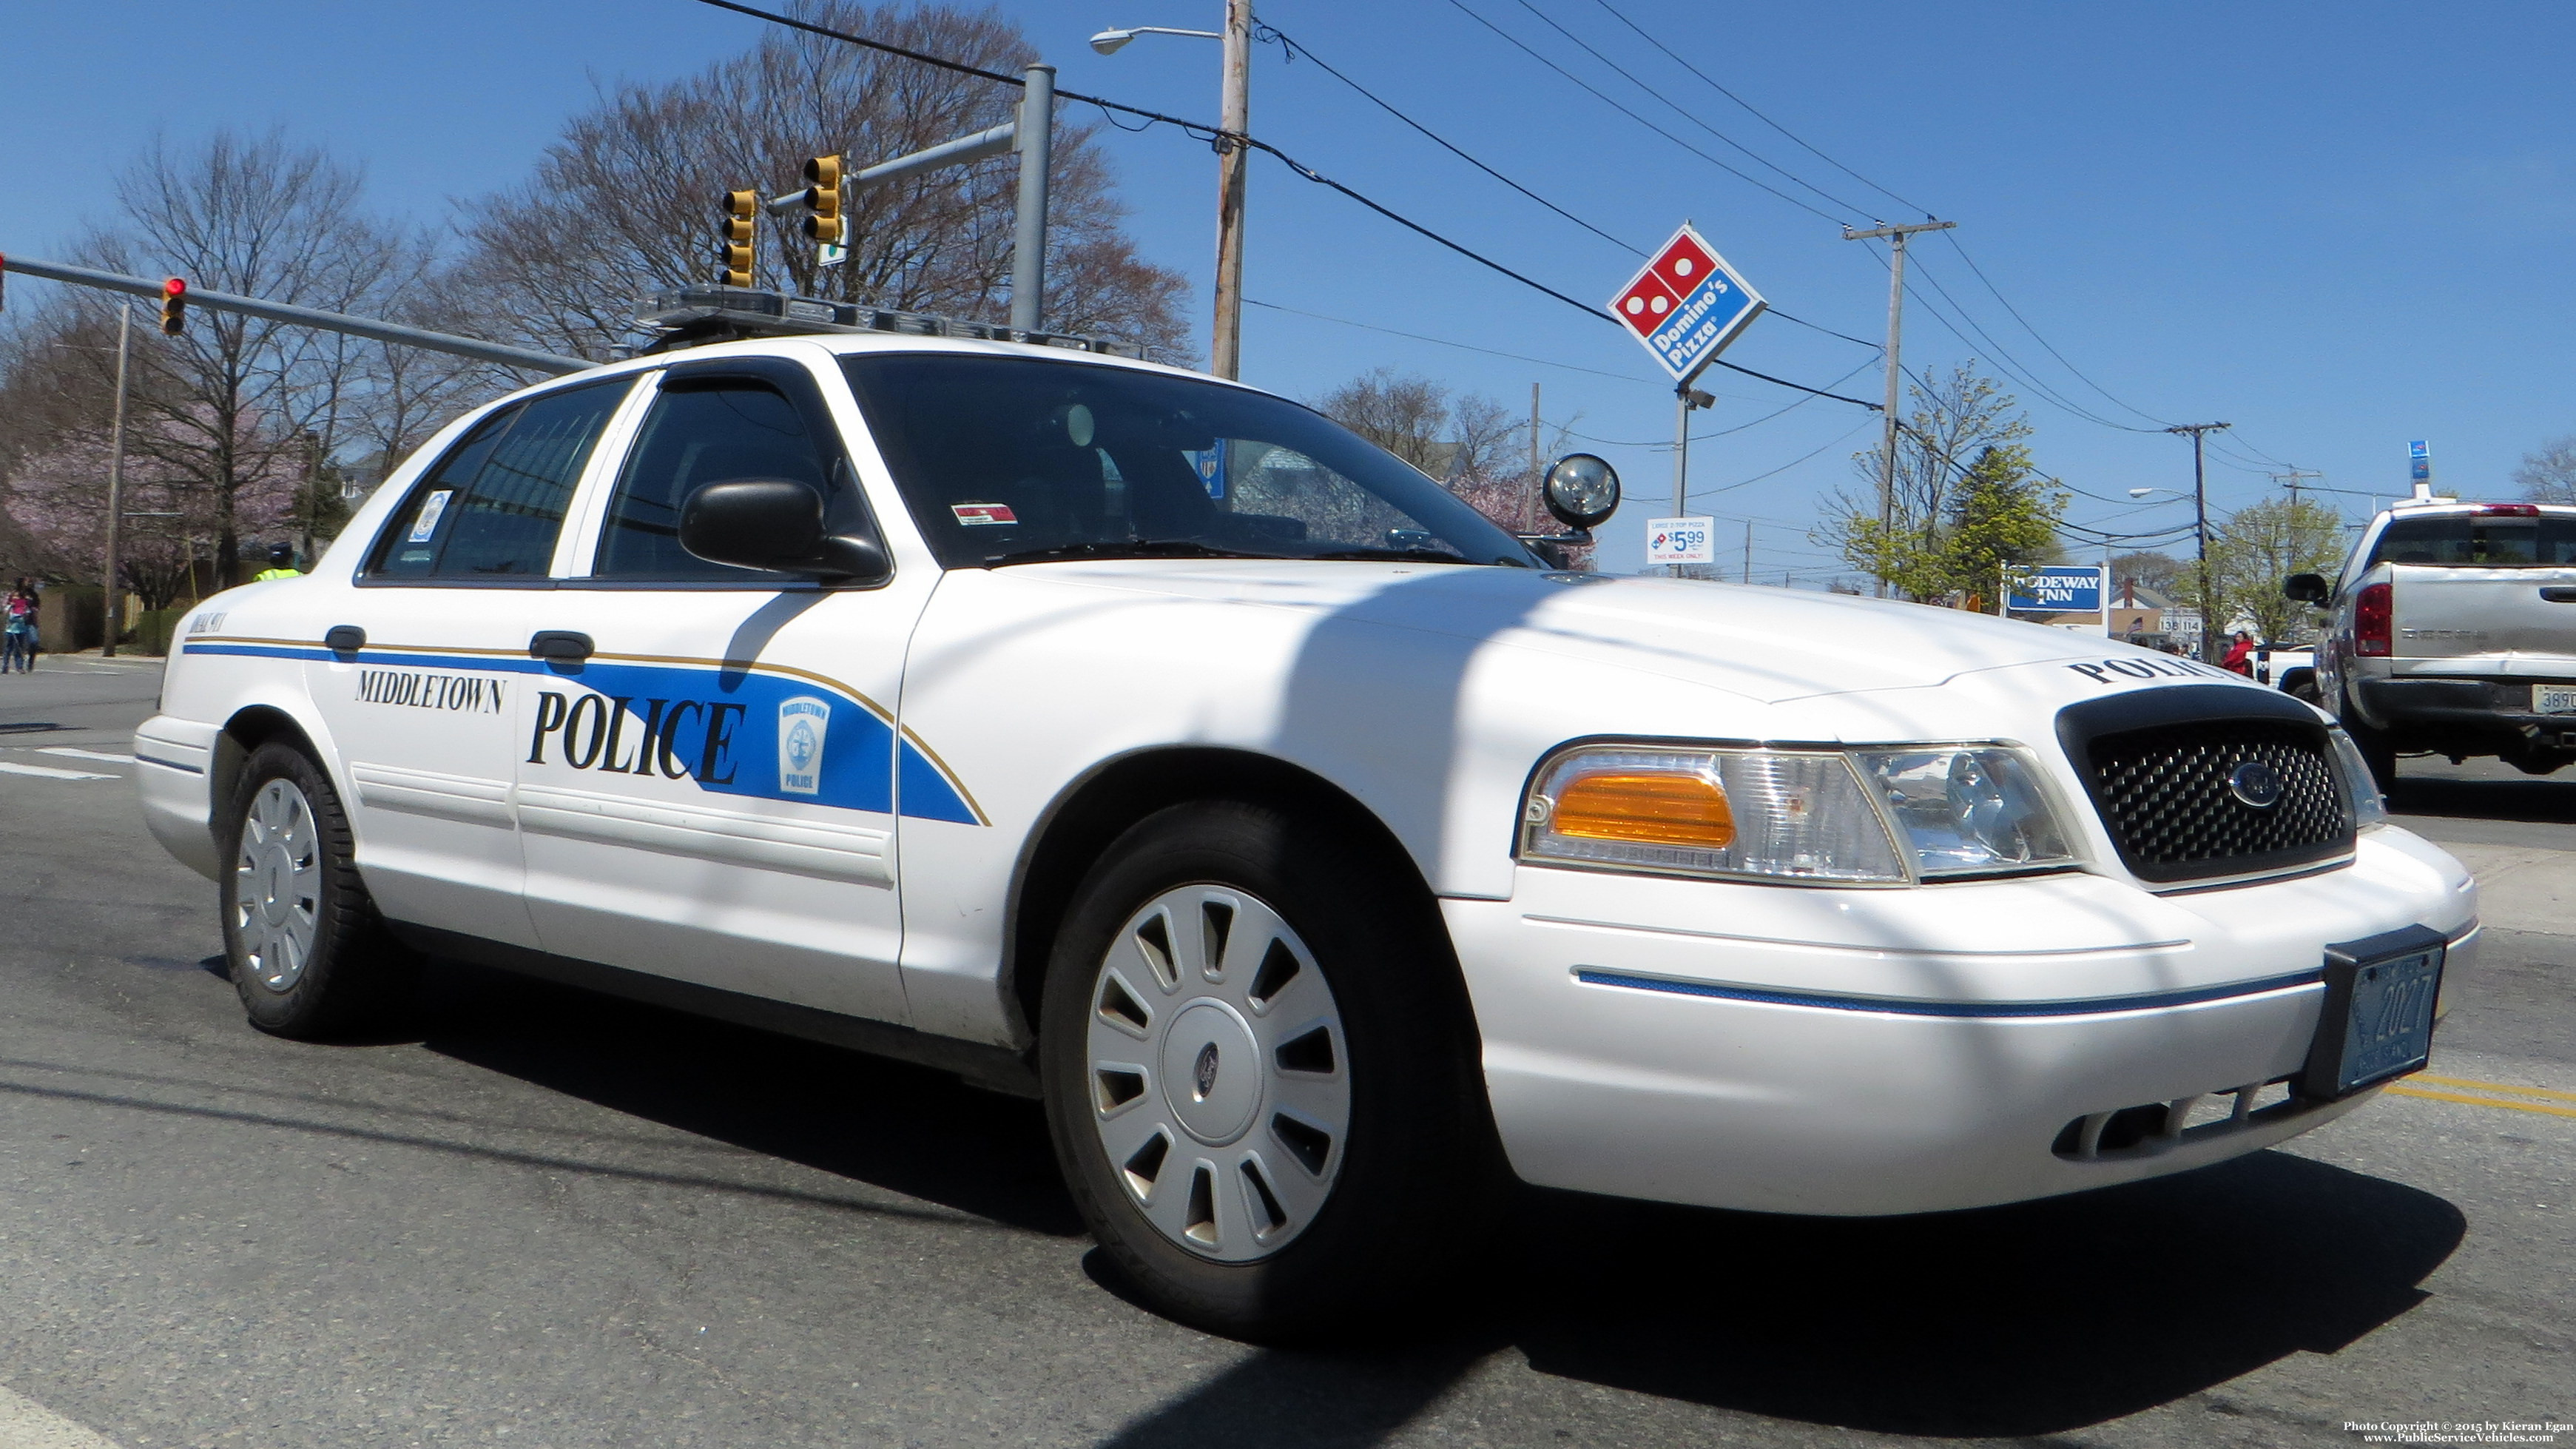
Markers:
<point>2493,1087</point>
<point>2406,1091</point>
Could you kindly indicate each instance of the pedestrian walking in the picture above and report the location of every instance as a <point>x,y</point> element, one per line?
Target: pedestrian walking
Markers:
<point>18,634</point>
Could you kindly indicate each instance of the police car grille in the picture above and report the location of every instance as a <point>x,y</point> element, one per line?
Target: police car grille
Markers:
<point>2164,793</point>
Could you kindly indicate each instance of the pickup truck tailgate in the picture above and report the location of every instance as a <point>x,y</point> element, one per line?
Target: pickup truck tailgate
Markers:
<point>2511,620</point>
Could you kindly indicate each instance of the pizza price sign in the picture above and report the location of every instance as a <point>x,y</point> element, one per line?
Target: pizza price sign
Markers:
<point>1680,541</point>
<point>1686,305</point>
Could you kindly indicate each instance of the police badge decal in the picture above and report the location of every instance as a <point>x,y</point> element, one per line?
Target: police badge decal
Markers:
<point>802,722</point>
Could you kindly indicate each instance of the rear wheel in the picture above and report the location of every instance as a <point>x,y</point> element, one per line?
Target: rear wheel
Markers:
<point>2377,750</point>
<point>308,954</point>
<point>1259,1076</point>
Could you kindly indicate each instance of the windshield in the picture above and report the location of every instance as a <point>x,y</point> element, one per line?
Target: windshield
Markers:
<point>2484,540</point>
<point>1018,460</point>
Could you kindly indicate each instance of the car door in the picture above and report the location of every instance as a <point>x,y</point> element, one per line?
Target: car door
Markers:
<point>424,686</point>
<point>708,791</point>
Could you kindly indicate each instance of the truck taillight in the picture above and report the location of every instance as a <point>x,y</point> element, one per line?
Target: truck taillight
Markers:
<point>2372,610</point>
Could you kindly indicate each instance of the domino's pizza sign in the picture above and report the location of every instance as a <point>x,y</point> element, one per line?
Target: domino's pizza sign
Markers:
<point>1686,305</point>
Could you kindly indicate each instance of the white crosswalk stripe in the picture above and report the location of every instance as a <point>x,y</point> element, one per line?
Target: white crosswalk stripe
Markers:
<point>48,772</point>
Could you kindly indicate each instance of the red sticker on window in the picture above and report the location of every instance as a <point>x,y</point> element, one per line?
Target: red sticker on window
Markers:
<point>976,515</point>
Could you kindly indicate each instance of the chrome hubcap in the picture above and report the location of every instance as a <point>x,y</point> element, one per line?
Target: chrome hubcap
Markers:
<point>277,886</point>
<point>1220,1087</point>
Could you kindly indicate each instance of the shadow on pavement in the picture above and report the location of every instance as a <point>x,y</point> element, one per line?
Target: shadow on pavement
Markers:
<point>2547,800</point>
<point>2029,1320</point>
<point>2033,1319</point>
<point>906,1129</point>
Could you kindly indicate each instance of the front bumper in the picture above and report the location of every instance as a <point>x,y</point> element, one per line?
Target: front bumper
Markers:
<point>1861,1052</point>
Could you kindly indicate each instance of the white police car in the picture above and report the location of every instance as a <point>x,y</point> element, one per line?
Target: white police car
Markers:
<point>1316,850</point>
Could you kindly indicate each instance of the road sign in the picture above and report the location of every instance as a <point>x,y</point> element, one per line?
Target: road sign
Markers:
<point>2061,590</point>
<point>1680,541</point>
<point>2419,462</point>
<point>1686,305</point>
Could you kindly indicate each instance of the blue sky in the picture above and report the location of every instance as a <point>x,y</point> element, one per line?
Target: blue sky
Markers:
<point>2339,226</point>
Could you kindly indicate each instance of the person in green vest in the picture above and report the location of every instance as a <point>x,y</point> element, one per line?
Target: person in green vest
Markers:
<point>281,564</point>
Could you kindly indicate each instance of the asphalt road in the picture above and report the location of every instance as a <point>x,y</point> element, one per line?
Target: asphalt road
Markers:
<point>546,1218</point>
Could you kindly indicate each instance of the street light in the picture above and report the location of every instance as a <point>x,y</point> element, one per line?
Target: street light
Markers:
<point>1109,42</point>
<point>1225,351</point>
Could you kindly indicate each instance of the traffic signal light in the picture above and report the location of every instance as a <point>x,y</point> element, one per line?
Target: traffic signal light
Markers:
<point>823,199</point>
<point>174,307</point>
<point>741,227</point>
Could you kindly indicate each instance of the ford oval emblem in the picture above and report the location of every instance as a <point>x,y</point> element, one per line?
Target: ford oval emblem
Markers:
<point>2256,784</point>
<point>1204,1072</point>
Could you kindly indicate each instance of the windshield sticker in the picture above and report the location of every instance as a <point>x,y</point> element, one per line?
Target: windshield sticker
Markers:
<point>430,510</point>
<point>801,725</point>
<point>2102,671</point>
<point>980,515</point>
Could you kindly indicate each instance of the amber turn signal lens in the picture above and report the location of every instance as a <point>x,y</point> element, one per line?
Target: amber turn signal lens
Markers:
<point>1649,809</point>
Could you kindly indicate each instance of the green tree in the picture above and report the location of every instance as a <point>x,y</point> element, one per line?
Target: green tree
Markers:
<point>2251,552</point>
<point>1959,417</point>
<point>2004,517</point>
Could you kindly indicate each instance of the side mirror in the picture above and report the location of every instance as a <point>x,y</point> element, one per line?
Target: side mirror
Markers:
<point>1581,490</point>
<point>765,523</point>
<point>2306,588</point>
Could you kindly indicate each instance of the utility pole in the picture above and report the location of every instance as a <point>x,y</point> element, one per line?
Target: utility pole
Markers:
<point>1028,239</point>
<point>1896,236</point>
<point>108,592</point>
<point>2290,480</point>
<point>2209,622</point>
<point>1538,480</point>
<point>1235,115</point>
<point>1748,550</point>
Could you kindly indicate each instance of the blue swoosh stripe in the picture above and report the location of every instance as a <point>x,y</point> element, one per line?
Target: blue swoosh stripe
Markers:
<point>1891,1006</point>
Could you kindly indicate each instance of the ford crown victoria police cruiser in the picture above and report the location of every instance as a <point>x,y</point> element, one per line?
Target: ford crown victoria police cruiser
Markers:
<point>1311,845</point>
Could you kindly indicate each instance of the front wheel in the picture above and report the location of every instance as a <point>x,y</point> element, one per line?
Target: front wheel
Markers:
<point>1260,1078</point>
<point>308,955</point>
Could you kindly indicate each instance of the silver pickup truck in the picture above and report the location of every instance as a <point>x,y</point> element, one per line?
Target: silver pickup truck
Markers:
<point>2452,630</point>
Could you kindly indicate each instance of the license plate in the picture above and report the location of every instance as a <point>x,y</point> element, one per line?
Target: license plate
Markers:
<point>2553,699</point>
<point>2377,1022</point>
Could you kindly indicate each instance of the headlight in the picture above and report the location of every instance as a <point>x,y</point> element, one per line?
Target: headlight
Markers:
<point>2360,788</point>
<point>1967,808</point>
<point>1868,817</point>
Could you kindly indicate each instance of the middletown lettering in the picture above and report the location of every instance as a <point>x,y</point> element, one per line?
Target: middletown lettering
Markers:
<point>464,693</point>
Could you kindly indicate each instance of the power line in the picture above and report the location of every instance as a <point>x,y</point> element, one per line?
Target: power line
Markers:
<point>1221,136</point>
<point>1524,48</point>
<point>1293,48</point>
<point>1625,74</point>
<point>1666,444</point>
<point>1785,467</point>
<point>1462,346</point>
<point>1757,114</point>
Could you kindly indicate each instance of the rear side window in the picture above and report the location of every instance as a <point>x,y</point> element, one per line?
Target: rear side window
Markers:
<point>491,508</point>
<point>697,434</point>
<point>2486,541</point>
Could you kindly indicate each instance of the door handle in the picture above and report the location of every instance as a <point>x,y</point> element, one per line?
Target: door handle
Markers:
<point>344,639</point>
<point>561,645</point>
<point>2559,595</point>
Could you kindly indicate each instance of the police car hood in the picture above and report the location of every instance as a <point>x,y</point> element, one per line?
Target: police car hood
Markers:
<point>1772,645</point>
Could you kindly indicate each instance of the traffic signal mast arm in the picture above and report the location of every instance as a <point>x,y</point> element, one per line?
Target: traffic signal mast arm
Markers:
<point>371,328</point>
<point>977,147</point>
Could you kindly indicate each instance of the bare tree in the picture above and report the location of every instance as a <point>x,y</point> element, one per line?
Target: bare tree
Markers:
<point>1956,419</point>
<point>625,203</point>
<point>237,399</point>
<point>2548,473</point>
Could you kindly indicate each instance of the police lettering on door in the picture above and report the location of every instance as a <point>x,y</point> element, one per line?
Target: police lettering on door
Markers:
<point>678,738</point>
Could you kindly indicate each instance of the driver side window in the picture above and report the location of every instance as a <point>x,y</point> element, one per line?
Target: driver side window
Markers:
<point>696,434</point>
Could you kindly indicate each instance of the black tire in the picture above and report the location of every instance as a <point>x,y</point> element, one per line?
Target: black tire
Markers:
<point>353,974</point>
<point>2302,686</point>
<point>1417,1172</point>
<point>2377,750</point>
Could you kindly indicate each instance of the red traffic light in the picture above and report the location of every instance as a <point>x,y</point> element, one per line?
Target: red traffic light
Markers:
<point>174,307</point>
<point>175,287</point>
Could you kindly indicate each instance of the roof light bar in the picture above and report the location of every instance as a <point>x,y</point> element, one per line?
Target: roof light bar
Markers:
<point>698,315</point>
